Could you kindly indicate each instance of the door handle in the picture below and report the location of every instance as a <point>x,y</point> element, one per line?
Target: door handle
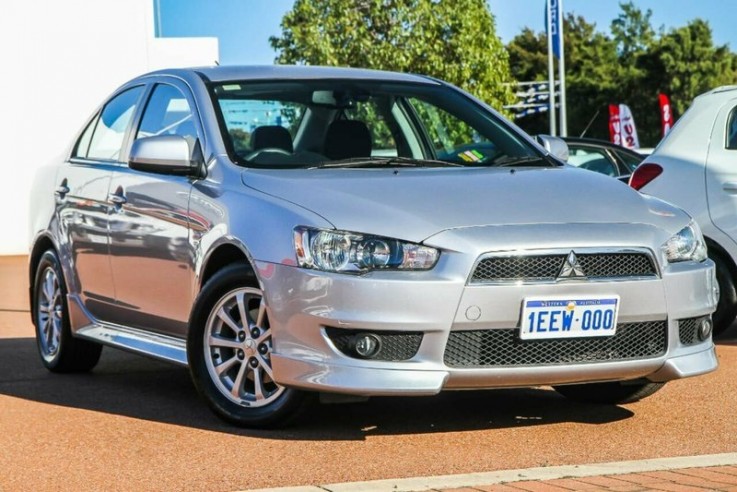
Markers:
<point>730,187</point>
<point>116,199</point>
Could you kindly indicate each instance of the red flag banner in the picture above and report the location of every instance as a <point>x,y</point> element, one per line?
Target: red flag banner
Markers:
<point>666,115</point>
<point>622,129</point>
<point>615,127</point>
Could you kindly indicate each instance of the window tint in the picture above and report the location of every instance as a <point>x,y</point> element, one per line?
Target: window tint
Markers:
<point>732,130</point>
<point>83,144</point>
<point>167,113</point>
<point>107,140</point>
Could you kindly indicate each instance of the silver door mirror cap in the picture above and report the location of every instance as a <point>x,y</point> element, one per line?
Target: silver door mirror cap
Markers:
<point>557,147</point>
<point>163,154</point>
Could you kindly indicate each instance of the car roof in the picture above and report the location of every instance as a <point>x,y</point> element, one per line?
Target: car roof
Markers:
<point>600,143</point>
<point>294,72</point>
<point>724,92</point>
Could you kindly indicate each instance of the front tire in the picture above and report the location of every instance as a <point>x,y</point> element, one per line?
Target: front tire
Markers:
<point>726,311</point>
<point>59,350</point>
<point>615,393</point>
<point>229,348</point>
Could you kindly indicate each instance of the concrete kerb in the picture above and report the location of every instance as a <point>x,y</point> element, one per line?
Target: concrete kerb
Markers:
<point>510,476</point>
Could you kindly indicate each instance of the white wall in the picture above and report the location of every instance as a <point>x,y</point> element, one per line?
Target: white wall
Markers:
<point>58,61</point>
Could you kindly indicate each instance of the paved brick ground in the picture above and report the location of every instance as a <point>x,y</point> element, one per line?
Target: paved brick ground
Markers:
<point>716,478</point>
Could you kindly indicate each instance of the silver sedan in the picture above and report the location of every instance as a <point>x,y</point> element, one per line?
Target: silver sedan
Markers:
<point>284,231</point>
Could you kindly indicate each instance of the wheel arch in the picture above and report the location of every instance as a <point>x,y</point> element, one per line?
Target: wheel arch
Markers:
<point>221,256</point>
<point>723,254</point>
<point>42,244</point>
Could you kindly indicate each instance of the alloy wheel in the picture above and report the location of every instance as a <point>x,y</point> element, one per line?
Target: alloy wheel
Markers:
<point>238,345</point>
<point>50,312</point>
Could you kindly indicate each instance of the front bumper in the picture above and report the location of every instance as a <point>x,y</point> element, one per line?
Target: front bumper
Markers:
<point>304,303</point>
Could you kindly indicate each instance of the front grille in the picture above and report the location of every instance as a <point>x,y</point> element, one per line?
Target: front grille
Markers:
<point>688,330</point>
<point>545,268</point>
<point>503,347</point>
<point>395,345</point>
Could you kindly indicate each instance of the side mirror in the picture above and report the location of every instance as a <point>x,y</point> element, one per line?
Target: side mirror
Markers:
<point>163,154</point>
<point>556,146</point>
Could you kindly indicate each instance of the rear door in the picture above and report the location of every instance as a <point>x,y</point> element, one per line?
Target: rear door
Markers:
<point>82,201</point>
<point>152,260</point>
<point>721,170</point>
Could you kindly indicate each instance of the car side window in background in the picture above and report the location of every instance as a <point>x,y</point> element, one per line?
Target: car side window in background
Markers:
<point>83,144</point>
<point>732,130</point>
<point>591,159</point>
<point>629,160</point>
<point>107,139</point>
<point>167,113</point>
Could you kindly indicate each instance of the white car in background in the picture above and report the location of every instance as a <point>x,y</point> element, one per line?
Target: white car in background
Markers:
<point>695,167</point>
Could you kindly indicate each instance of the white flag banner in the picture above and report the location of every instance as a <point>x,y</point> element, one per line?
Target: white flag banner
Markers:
<point>628,131</point>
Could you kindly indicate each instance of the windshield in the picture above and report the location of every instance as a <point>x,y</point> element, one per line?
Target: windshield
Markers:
<point>318,123</point>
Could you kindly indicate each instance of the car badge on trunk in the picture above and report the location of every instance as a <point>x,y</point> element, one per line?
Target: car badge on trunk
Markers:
<point>571,268</point>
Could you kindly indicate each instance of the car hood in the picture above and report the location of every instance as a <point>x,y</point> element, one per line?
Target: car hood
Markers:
<point>414,204</point>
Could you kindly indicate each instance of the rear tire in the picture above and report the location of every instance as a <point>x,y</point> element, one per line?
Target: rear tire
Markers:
<point>726,311</point>
<point>59,350</point>
<point>229,347</point>
<point>615,393</point>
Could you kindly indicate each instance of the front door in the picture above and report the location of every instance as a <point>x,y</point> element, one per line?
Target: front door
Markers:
<point>151,258</point>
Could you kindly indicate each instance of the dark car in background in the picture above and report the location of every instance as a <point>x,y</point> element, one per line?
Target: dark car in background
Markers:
<point>602,156</point>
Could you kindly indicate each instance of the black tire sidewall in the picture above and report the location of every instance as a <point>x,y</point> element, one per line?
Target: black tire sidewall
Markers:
<point>726,310</point>
<point>274,414</point>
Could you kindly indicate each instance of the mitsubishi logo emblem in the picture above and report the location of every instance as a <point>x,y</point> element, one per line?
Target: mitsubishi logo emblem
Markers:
<point>571,268</point>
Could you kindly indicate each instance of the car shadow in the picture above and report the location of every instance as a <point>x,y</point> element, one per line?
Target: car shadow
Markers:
<point>133,386</point>
<point>728,337</point>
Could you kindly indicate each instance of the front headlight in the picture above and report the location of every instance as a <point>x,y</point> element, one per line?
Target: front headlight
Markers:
<point>340,251</point>
<point>686,245</point>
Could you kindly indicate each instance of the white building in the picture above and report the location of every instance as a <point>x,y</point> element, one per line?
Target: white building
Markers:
<point>59,60</point>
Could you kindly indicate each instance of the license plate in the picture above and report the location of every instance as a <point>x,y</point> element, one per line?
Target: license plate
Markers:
<point>575,317</point>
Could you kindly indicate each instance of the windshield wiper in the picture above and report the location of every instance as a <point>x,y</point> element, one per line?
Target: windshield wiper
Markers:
<point>527,160</point>
<point>369,162</point>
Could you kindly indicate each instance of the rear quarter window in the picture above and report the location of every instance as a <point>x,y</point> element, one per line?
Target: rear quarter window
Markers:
<point>732,130</point>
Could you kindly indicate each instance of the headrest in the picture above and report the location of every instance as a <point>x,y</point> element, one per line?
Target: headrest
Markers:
<point>346,139</point>
<point>271,136</point>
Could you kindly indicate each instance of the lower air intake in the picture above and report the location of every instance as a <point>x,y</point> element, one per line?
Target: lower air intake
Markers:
<point>503,347</point>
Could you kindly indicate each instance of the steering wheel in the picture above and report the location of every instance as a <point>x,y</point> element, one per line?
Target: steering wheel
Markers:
<point>275,150</point>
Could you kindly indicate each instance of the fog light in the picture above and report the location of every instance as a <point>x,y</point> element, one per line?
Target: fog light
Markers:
<point>705,328</point>
<point>366,345</point>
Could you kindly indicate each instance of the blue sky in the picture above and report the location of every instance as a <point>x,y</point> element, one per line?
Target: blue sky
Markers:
<point>244,26</point>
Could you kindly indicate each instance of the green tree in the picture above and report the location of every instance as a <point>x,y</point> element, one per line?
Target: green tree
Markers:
<point>454,40</point>
<point>590,58</point>
<point>632,31</point>
<point>684,63</point>
<point>631,65</point>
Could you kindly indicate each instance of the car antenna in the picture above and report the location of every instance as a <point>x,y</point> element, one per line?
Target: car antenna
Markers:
<point>217,63</point>
<point>590,123</point>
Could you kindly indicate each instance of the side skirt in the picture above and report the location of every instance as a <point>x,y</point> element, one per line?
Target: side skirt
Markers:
<point>154,345</point>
